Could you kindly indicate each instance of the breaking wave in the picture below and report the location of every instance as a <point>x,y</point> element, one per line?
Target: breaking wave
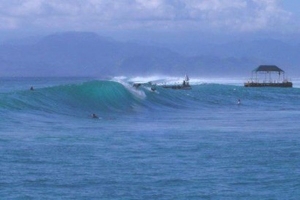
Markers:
<point>119,96</point>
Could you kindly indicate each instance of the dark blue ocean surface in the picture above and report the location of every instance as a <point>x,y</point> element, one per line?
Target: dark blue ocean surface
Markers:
<point>167,144</point>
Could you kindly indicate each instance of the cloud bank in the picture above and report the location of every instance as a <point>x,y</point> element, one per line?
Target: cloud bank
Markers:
<point>235,15</point>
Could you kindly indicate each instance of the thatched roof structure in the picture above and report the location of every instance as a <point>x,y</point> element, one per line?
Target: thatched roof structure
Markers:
<point>268,68</point>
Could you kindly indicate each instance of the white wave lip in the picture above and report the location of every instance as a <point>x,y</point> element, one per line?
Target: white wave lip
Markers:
<point>137,93</point>
<point>169,80</point>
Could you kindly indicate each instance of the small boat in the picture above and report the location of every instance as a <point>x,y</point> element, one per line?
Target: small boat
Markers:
<point>153,86</point>
<point>184,86</point>
<point>266,72</point>
<point>177,87</point>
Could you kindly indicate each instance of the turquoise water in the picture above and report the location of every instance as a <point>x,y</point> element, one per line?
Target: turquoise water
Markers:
<point>168,144</point>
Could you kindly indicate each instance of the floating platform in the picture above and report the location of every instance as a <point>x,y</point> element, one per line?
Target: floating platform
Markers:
<point>266,71</point>
<point>254,84</point>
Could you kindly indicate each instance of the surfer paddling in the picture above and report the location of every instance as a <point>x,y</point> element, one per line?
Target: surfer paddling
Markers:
<point>94,116</point>
<point>137,85</point>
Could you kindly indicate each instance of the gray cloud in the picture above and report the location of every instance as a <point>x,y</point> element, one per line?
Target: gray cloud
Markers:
<point>237,15</point>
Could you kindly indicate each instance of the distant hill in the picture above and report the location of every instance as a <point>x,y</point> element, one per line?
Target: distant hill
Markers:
<point>88,54</point>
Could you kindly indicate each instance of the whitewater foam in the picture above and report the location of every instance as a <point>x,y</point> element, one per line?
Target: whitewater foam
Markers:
<point>168,80</point>
<point>137,93</point>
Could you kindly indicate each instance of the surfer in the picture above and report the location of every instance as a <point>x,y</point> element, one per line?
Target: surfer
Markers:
<point>137,85</point>
<point>239,102</point>
<point>95,116</point>
<point>153,87</point>
<point>31,88</point>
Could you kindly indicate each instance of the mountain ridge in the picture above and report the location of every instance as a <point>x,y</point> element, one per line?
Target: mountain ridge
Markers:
<point>89,54</point>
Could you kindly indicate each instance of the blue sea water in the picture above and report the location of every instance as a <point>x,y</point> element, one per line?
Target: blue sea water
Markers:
<point>167,144</point>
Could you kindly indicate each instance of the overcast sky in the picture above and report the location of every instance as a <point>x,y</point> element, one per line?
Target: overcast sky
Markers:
<point>209,16</point>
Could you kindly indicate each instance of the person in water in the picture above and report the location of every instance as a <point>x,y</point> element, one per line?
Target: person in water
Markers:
<point>94,116</point>
<point>239,102</point>
<point>137,85</point>
<point>31,88</point>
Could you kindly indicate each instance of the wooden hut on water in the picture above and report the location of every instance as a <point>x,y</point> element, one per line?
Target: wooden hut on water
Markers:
<point>263,76</point>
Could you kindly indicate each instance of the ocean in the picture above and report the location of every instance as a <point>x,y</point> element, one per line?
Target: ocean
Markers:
<point>166,144</point>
